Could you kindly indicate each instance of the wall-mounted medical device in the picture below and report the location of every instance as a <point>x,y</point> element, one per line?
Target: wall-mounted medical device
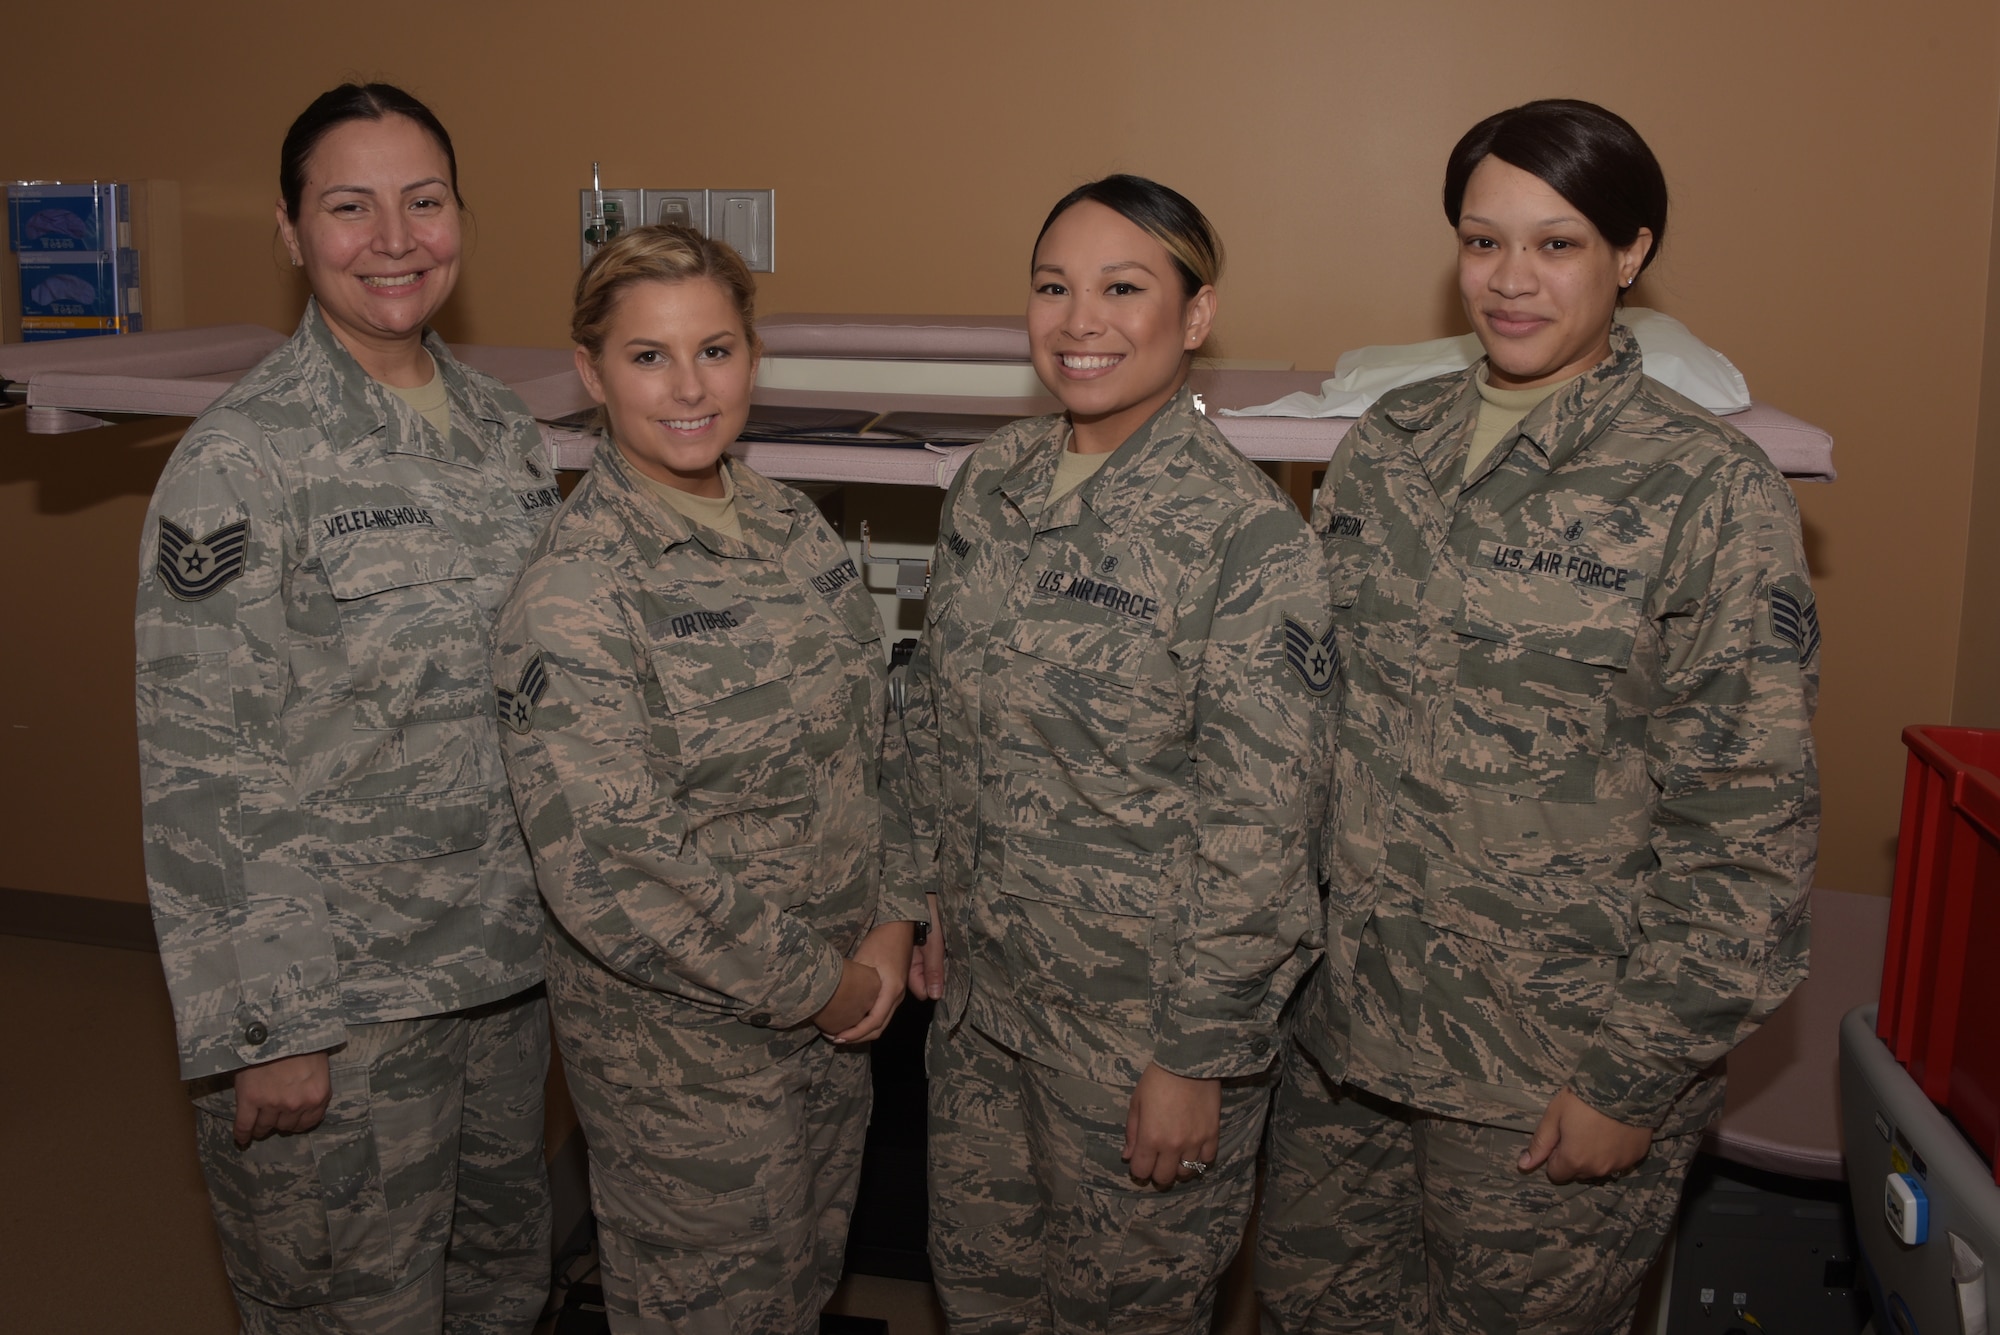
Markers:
<point>743,218</point>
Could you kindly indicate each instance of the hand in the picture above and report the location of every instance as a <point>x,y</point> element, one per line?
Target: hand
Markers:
<point>927,962</point>
<point>1575,1140</point>
<point>858,985</point>
<point>1172,1118</point>
<point>887,951</point>
<point>287,1095</point>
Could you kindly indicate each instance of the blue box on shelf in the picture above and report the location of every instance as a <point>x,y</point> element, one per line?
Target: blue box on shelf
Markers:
<point>53,217</point>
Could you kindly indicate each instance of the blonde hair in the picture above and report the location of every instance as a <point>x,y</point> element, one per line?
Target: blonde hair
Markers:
<point>661,253</point>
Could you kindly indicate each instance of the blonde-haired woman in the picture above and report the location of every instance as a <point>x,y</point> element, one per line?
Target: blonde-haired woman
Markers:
<point>692,682</point>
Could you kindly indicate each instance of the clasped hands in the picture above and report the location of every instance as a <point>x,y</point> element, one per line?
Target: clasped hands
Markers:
<point>872,984</point>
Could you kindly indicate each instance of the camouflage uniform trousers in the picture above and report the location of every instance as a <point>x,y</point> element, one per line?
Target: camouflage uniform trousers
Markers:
<point>1384,1219</point>
<point>419,1203</point>
<point>1036,1224</point>
<point>724,1207</point>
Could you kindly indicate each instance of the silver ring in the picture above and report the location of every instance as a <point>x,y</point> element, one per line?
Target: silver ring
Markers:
<point>1194,1167</point>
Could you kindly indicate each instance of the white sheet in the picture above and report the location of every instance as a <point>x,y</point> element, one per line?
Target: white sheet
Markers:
<point>1674,357</point>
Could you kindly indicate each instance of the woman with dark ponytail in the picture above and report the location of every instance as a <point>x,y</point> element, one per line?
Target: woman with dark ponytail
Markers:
<point>345,907</point>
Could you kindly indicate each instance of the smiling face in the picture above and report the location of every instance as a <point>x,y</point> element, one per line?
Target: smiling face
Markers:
<point>378,235</point>
<point>1110,327</point>
<point>675,379</point>
<point>1539,282</point>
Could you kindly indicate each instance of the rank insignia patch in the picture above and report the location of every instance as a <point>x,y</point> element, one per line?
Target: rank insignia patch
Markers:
<point>192,568</point>
<point>1795,621</point>
<point>517,707</point>
<point>1314,658</point>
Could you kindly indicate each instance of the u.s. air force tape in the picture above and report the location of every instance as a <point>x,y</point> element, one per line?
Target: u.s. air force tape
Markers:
<point>517,707</point>
<point>192,568</point>
<point>1314,657</point>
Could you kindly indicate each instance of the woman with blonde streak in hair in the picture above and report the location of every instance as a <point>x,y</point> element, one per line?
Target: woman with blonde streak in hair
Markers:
<point>692,685</point>
<point>1112,718</point>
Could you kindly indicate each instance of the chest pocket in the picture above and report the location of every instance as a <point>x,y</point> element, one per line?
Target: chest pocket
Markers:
<point>1079,687</point>
<point>1538,658</point>
<point>740,769</point>
<point>418,643</point>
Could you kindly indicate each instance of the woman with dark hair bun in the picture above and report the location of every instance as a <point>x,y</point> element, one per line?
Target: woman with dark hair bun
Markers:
<point>1111,736</point>
<point>345,906</point>
<point>1575,800</point>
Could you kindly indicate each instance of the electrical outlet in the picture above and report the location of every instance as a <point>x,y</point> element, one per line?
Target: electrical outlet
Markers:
<point>689,208</point>
<point>744,219</point>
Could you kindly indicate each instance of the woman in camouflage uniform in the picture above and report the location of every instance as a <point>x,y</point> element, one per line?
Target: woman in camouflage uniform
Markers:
<point>345,907</point>
<point>1111,737</point>
<point>693,683</point>
<point>1575,799</point>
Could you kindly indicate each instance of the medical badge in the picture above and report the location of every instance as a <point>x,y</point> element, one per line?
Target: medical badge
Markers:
<point>517,707</point>
<point>1795,620</point>
<point>1314,658</point>
<point>192,568</point>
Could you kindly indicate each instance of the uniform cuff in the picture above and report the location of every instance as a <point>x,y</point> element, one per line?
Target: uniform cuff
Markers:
<point>905,888</point>
<point>1627,1089</point>
<point>252,1035</point>
<point>801,992</point>
<point>1207,1049</point>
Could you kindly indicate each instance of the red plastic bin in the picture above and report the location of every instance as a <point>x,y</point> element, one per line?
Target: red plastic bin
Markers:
<point>1940,1009</point>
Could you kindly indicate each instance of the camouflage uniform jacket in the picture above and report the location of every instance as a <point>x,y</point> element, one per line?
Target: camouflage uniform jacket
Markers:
<point>694,738</point>
<point>1112,751</point>
<point>1576,806</point>
<point>329,839</point>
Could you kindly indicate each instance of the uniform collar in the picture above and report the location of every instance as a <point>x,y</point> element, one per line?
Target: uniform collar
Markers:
<point>768,515</point>
<point>355,407</point>
<point>1133,469</point>
<point>1442,413</point>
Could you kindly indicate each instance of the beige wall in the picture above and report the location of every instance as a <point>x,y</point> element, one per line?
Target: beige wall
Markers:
<point>1833,174</point>
<point>1976,700</point>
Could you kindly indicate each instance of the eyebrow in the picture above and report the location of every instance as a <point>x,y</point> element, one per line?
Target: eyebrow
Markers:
<point>1563,220</point>
<point>1114,267</point>
<point>642,342</point>
<point>370,190</point>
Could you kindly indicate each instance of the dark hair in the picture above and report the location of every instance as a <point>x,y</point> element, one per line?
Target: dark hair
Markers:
<point>336,107</point>
<point>1589,156</point>
<point>1162,213</point>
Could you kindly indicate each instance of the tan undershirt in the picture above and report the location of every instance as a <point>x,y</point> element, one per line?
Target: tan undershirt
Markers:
<point>430,401</point>
<point>1074,470</point>
<point>1500,411</point>
<point>715,512</point>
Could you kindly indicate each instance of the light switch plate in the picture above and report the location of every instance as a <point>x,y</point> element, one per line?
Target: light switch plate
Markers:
<point>744,219</point>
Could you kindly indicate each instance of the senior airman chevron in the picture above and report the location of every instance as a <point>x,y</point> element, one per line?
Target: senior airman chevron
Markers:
<point>517,707</point>
<point>193,568</point>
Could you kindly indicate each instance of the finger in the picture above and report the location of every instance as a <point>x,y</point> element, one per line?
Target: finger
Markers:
<point>1548,1134</point>
<point>1131,1130</point>
<point>246,1124</point>
<point>870,1026</point>
<point>919,983</point>
<point>264,1122</point>
<point>312,1116</point>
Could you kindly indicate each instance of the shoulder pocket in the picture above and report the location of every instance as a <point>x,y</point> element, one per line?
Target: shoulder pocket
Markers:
<point>1537,662</point>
